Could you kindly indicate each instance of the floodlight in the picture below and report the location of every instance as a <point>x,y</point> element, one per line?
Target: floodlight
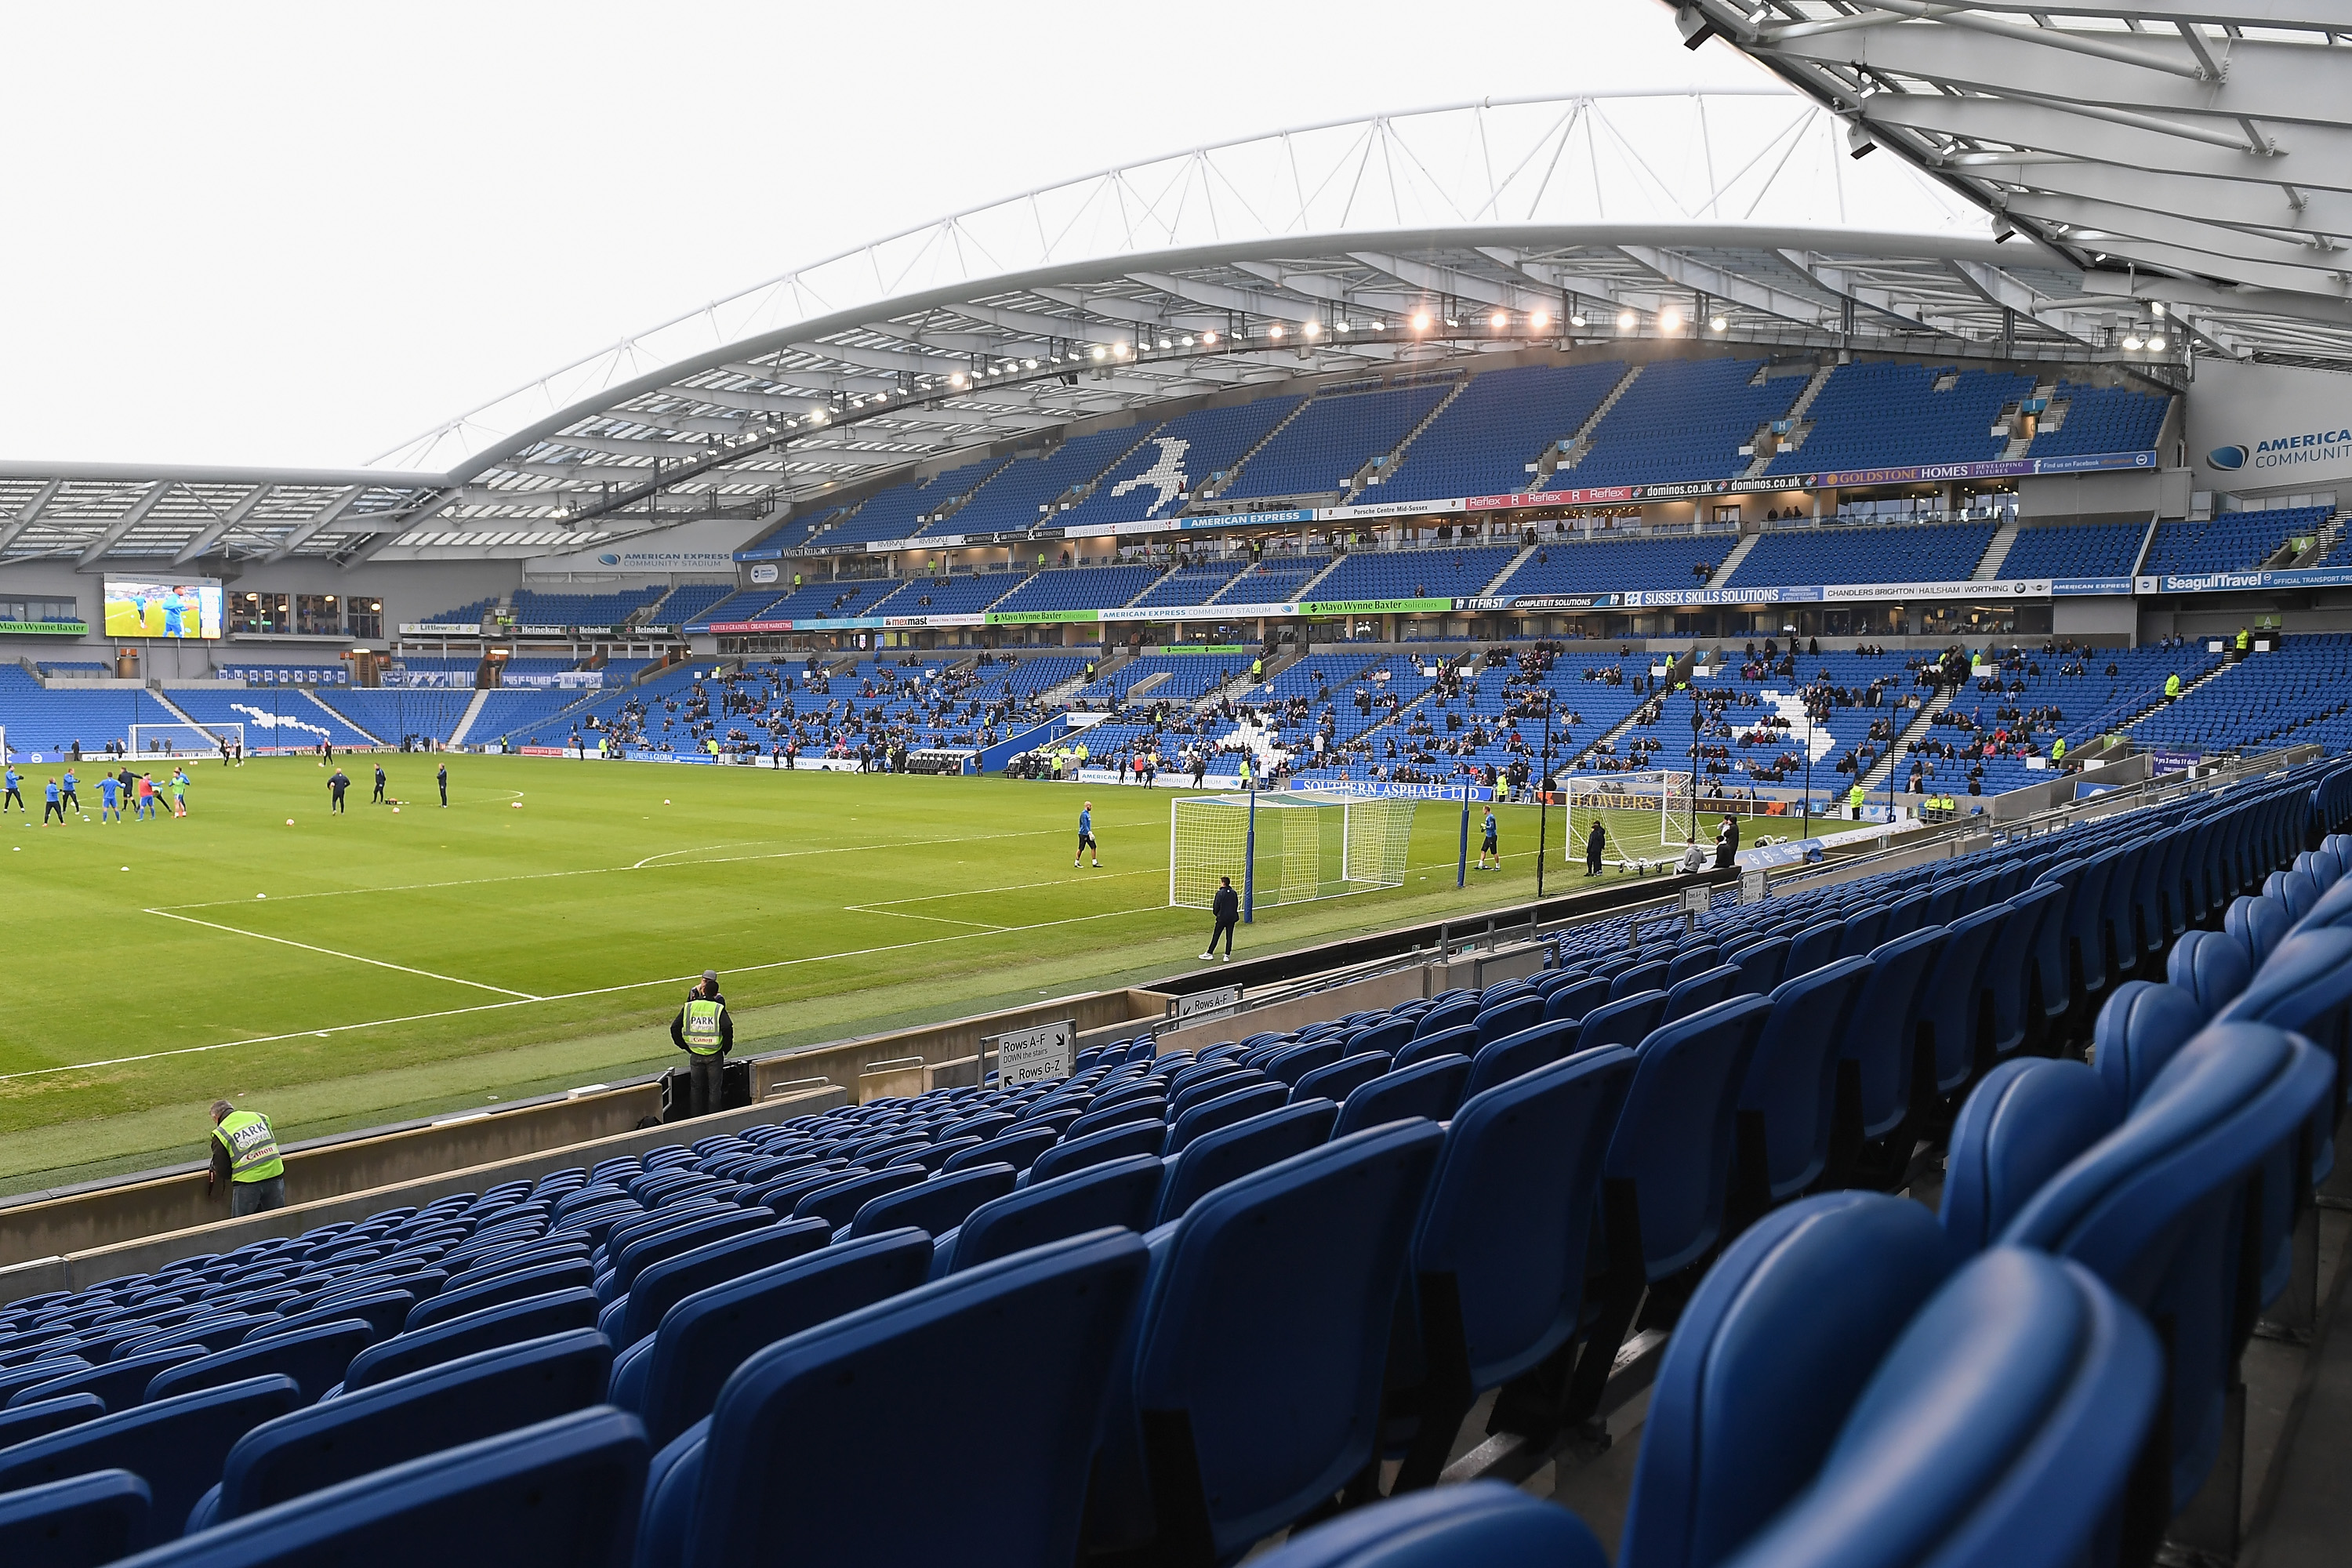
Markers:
<point>1420,321</point>
<point>1718,323</point>
<point>1101,351</point>
<point>1577,319</point>
<point>1540,320</point>
<point>1209,338</point>
<point>1625,319</point>
<point>2131,342</point>
<point>1498,321</point>
<point>1669,320</point>
<point>1275,331</point>
<point>2156,342</point>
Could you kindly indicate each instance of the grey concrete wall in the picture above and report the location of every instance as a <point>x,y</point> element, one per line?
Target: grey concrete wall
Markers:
<point>71,1270</point>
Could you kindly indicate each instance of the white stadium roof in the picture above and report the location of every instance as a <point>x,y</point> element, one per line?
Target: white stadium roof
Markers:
<point>1421,239</point>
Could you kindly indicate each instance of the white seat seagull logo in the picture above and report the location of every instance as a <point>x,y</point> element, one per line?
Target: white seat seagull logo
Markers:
<point>1166,475</point>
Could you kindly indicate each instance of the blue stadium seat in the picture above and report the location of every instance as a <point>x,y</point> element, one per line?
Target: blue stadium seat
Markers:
<point>934,1207</point>
<point>1232,1152</point>
<point>408,1417</point>
<point>1498,1257</point>
<point>1513,1055</point>
<point>1573,1000</point>
<point>1625,1021</point>
<point>507,1323</point>
<point>79,1522</point>
<point>671,1379</point>
<point>499,1289</point>
<point>382,1310</point>
<point>1018,1149</point>
<point>837,1203</point>
<point>1875,1059</point>
<point>1486,1522</point>
<point>1224,1112</point>
<point>23,1423</point>
<point>1429,1088</point>
<point>175,1445</point>
<point>2210,966</point>
<point>1144,1137</point>
<point>562,1494</point>
<point>1790,1093</point>
<point>1202,1454</point>
<point>2026,1122</point>
<point>1700,989</point>
<point>314,1358</point>
<point>788,1452</point>
<point>2139,1027</point>
<point>1124,1193</point>
<point>1766,1363</point>
<point>635,1313</point>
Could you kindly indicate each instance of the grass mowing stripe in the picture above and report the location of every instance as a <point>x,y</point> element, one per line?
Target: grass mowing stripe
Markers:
<point>352,957</point>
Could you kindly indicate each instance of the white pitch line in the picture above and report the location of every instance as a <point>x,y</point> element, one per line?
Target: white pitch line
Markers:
<point>563,996</point>
<point>903,915</point>
<point>880,905</point>
<point>613,871</point>
<point>353,957</point>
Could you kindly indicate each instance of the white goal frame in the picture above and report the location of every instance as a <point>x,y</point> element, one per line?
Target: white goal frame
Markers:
<point>1663,791</point>
<point>201,741</point>
<point>1285,847</point>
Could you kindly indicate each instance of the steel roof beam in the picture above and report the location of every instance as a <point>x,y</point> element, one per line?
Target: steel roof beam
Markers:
<point>1241,302</point>
<point>2268,207</point>
<point>212,533</point>
<point>1732,289</point>
<point>303,532</point>
<point>1846,283</point>
<point>1998,287</point>
<point>108,536</point>
<point>30,512</point>
<point>2318,158</point>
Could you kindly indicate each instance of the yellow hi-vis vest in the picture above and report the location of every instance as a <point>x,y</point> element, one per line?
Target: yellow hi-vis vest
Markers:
<point>702,1017</point>
<point>2172,686</point>
<point>1854,795</point>
<point>252,1146</point>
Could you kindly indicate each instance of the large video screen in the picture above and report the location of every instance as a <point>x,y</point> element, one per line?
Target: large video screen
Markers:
<point>171,607</point>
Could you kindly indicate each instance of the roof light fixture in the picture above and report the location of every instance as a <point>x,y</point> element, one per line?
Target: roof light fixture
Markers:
<point>1210,339</point>
<point>1101,351</point>
<point>1540,320</point>
<point>1275,331</point>
<point>1420,321</point>
<point>1718,324</point>
<point>1625,320</point>
<point>2131,343</point>
<point>2156,342</point>
<point>1669,321</point>
<point>1498,321</point>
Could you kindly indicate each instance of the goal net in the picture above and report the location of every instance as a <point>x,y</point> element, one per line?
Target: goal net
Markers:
<point>1645,815</point>
<point>184,740</point>
<point>1306,846</point>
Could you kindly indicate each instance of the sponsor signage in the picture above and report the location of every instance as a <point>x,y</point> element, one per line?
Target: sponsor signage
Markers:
<point>2069,587</point>
<point>1537,602</point>
<point>2005,588</point>
<point>1040,617</point>
<point>2238,582</point>
<point>44,628</point>
<point>1651,598</point>
<point>439,628</point>
<point>1376,606</point>
<point>1386,509</point>
<point>763,576</point>
<point>1179,524</point>
<point>768,552</point>
<point>1377,789</point>
<point>2171,760</point>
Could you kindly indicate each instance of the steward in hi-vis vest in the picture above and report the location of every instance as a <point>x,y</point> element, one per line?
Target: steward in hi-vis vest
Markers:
<point>705,1031</point>
<point>245,1154</point>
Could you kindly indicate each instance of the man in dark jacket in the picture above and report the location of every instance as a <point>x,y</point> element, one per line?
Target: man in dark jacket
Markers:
<point>1726,844</point>
<point>705,1031</point>
<point>1594,842</point>
<point>1227,909</point>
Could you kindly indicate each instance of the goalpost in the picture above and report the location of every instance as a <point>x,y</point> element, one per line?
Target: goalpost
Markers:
<point>1645,815</point>
<point>203,741</point>
<point>1284,846</point>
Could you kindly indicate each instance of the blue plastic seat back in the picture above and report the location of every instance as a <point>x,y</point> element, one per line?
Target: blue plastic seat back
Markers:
<point>407,1417</point>
<point>1311,1253</point>
<point>1222,1112</point>
<point>1514,1055</point>
<point>2258,923</point>
<point>937,1205</point>
<point>1861,931</point>
<point>1762,965</point>
<point>1790,1090</point>
<point>2297,889</point>
<point>1510,1208</point>
<point>1905,915</point>
<point>2153,1208</point>
<point>1575,999</point>
<point>1431,1087</point>
<point>838,1204</point>
<point>1121,1193</point>
<point>79,1522</point>
<point>1096,1149</point>
<point>23,1423</point>
<point>122,1384</point>
<point>1700,990</point>
<point>1692,960</point>
<point>790,1454</point>
<point>1675,1137</point>
<point>1218,1089</point>
<point>647,1250</point>
<point>2010,967</point>
<point>1815,946</point>
<point>1461,1040</point>
<point>2333,908</point>
<point>705,1337</point>
<point>382,1310</point>
<point>1639,978</point>
<point>1953,1009</point>
<point>1202,1070</point>
<point>523,1283</point>
<point>1017,1149</point>
<point>1626,1021</point>
<point>2044,1386</point>
<point>1483,1522</point>
<point>314,1358</point>
<point>1882,1030</point>
<point>1521,1011</point>
<point>507,1323</point>
<point>562,1494</point>
<point>2027,1120</point>
<point>2052,973</point>
<point>1232,1152</point>
<point>2210,966</point>
<point>175,1445</point>
<point>1390,1034</point>
<point>2139,1027</point>
<point>1767,1360</point>
<point>1291,1063</point>
<point>1447,1015</point>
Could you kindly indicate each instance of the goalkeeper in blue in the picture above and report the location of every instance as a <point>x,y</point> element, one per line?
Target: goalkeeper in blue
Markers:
<point>1086,835</point>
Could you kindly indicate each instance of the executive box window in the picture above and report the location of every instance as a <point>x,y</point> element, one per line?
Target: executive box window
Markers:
<point>363,617</point>
<point>254,611</point>
<point>39,611</point>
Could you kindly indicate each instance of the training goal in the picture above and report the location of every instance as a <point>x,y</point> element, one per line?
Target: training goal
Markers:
<point>1645,815</point>
<point>1284,846</point>
<point>186,740</point>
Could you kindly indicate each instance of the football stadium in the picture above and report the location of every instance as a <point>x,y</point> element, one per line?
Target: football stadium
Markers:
<point>1706,743</point>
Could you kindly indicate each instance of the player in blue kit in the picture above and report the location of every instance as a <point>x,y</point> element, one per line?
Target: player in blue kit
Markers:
<point>172,603</point>
<point>15,794</point>
<point>109,797</point>
<point>1087,835</point>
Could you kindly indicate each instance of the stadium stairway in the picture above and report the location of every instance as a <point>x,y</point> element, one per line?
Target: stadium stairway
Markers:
<point>1798,425</point>
<point>1996,552</point>
<point>466,723</point>
<point>1730,562</point>
<point>1572,451</point>
<point>312,698</point>
<point>2122,725</point>
<point>1377,466</point>
<point>1909,733</point>
<point>1218,484</point>
<point>155,691</point>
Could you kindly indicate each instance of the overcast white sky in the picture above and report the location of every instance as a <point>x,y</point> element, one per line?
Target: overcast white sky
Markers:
<point>300,234</point>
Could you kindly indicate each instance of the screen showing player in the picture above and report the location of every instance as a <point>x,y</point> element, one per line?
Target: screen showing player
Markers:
<point>173,607</point>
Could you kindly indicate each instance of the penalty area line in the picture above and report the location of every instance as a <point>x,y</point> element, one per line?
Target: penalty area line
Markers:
<point>521,1000</point>
<point>352,957</point>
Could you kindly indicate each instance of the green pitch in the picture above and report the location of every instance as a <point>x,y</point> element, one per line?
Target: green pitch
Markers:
<point>539,934</point>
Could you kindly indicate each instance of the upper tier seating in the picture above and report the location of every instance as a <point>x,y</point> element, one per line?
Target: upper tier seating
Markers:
<point>1442,572</point>
<point>1879,413</point>
<point>2101,419</point>
<point>687,602</point>
<point>1487,440</point>
<point>1021,494</point>
<point>1939,553</point>
<point>1681,419</point>
<point>537,609</point>
<point>2074,550</point>
<point>899,512</point>
<point>1079,588</point>
<point>1607,566</point>
<point>1318,452</point>
<point>1175,460</point>
<point>2227,542</point>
